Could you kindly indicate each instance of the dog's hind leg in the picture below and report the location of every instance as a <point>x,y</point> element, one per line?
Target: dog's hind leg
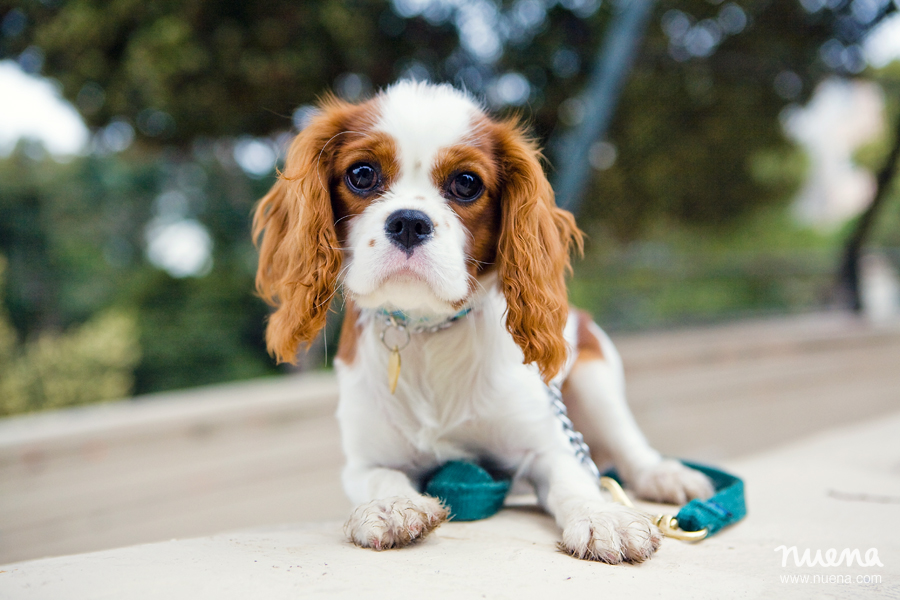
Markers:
<point>595,395</point>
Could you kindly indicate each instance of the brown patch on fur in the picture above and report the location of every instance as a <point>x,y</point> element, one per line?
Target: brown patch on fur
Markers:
<point>481,218</point>
<point>461,158</point>
<point>587,344</point>
<point>535,240</point>
<point>376,148</point>
<point>293,226</point>
<point>349,334</point>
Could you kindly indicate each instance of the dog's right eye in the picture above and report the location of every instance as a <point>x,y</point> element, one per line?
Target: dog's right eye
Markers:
<point>362,178</point>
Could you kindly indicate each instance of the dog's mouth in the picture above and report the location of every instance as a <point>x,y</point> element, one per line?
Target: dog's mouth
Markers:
<point>402,267</point>
<point>405,276</point>
<point>408,285</point>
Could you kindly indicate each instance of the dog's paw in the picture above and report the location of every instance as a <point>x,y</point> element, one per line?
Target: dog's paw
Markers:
<point>610,533</point>
<point>671,482</point>
<point>394,522</point>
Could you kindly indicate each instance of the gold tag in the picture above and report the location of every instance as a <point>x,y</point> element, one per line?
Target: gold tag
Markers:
<point>394,369</point>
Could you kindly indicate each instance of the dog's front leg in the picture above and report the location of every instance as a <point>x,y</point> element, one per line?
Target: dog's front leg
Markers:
<point>390,512</point>
<point>592,528</point>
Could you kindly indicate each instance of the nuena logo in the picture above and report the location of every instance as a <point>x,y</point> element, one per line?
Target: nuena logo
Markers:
<point>831,557</point>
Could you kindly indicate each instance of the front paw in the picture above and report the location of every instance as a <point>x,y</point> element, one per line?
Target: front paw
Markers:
<point>670,482</point>
<point>394,522</point>
<point>610,533</point>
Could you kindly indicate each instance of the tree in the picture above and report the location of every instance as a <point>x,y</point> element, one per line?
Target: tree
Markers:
<point>212,67</point>
<point>699,115</point>
<point>848,273</point>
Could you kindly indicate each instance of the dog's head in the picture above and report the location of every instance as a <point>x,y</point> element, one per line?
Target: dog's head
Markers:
<point>411,201</point>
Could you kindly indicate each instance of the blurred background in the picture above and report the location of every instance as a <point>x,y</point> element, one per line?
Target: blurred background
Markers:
<point>729,160</point>
<point>742,142</point>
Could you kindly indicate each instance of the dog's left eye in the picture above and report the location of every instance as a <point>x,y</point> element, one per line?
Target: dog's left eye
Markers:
<point>362,178</point>
<point>466,187</point>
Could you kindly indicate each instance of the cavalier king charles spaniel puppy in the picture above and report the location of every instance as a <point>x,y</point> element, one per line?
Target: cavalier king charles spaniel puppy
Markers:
<point>438,225</point>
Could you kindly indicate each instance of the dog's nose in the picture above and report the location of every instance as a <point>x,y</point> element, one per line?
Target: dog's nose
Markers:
<point>408,228</point>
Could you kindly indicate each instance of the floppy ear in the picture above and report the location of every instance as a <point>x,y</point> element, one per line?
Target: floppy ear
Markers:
<point>299,253</point>
<point>533,253</point>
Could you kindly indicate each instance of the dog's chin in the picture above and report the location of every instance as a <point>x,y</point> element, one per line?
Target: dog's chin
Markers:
<point>409,293</point>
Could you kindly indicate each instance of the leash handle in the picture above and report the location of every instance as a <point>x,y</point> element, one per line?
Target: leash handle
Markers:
<point>726,507</point>
<point>698,519</point>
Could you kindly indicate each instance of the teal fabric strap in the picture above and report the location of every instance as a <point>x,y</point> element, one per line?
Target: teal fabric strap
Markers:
<point>726,507</point>
<point>468,491</point>
<point>471,493</point>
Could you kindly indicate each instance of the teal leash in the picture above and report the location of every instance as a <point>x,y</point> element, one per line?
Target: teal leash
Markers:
<point>471,493</point>
<point>698,519</point>
<point>468,491</point>
<point>726,507</point>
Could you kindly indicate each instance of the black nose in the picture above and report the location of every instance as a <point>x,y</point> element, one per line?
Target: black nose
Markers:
<point>408,228</point>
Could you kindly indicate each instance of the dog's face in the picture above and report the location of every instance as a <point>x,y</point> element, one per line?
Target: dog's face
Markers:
<point>410,201</point>
<point>417,201</point>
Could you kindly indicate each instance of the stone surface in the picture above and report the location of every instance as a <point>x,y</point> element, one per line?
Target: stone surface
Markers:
<point>839,489</point>
<point>259,453</point>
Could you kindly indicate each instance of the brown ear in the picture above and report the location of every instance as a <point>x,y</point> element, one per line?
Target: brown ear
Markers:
<point>533,254</point>
<point>299,253</point>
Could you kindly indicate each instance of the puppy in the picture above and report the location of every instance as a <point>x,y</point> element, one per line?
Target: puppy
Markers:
<point>438,225</point>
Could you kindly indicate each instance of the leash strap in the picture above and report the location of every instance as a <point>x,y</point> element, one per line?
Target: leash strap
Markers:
<point>471,493</point>
<point>725,508</point>
<point>582,452</point>
<point>698,519</point>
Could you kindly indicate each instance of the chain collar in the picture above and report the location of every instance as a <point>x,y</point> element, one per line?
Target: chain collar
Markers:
<point>399,327</point>
<point>401,320</point>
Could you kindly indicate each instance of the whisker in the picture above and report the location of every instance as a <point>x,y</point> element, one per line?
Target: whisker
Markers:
<point>479,263</point>
<point>328,300</point>
<point>319,157</point>
<point>342,218</point>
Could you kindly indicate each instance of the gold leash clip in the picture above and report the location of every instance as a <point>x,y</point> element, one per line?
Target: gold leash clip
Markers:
<point>667,524</point>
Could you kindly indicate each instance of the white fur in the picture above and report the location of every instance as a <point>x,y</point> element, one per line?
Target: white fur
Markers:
<point>464,392</point>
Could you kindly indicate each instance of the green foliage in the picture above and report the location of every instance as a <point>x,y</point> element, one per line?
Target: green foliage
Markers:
<point>692,135</point>
<point>198,330</point>
<point>687,130</point>
<point>75,235</point>
<point>677,274</point>
<point>70,233</point>
<point>212,67</point>
<point>89,363</point>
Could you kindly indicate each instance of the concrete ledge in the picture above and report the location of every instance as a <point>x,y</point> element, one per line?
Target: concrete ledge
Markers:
<point>292,397</point>
<point>179,464</point>
<point>836,490</point>
<point>201,461</point>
